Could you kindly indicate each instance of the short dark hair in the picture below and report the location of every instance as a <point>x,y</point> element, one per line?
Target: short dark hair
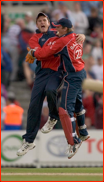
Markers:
<point>93,10</point>
<point>11,97</point>
<point>11,100</point>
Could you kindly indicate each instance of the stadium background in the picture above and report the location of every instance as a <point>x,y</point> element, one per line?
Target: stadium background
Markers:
<point>17,79</point>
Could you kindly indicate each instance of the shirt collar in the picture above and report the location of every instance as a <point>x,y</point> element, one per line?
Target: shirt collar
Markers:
<point>67,34</point>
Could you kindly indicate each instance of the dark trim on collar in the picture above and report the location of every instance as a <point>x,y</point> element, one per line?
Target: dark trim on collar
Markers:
<point>38,31</point>
<point>67,34</point>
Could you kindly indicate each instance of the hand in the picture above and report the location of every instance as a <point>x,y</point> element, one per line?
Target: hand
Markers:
<point>80,38</point>
<point>30,51</point>
<point>29,57</point>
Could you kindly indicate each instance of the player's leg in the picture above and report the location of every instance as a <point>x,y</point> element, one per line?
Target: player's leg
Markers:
<point>66,125</point>
<point>54,82</point>
<point>34,115</point>
<point>64,116</point>
<point>73,89</point>
<point>79,109</point>
<point>68,101</point>
<point>80,116</point>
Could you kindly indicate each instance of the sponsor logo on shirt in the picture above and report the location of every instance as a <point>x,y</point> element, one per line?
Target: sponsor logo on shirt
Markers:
<point>43,39</point>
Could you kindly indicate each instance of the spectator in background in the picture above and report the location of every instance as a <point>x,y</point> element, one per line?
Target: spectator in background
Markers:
<point>88,103</point>
<point>5,40</point>
<point>56,15</point>
<point>98,33</point>
<point>81,21</point>
<point>87,5</point>
<point>47,10</point>
<point>30,25</point>
<point>29,72</point>
<point>2,22</point>
<point>3,91</point>
<point>88,65</point>
<point>101,10</point>
<point>23,38</point>
<point>13,33</point>
<point>86,51</point>
<point>3,104</point>
<point>94,19</point>
<point>99,114</point>
<point>88,122</point>
<point>97,50</point>
<point>65,12</point>
<point>7,22</point>
<point>97,69</point>
<point>13,114</point>
<point>6,68</point>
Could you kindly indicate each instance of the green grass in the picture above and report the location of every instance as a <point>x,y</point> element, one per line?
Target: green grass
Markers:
<point>51,178</point>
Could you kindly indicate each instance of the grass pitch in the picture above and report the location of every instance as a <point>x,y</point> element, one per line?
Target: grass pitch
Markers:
<point>52,174</point>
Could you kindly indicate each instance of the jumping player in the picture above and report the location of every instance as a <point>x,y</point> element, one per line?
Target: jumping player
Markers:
<point>71,54</point>
<point>49,76</point>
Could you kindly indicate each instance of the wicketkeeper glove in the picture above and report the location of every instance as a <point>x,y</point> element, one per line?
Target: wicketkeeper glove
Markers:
<point>29,57</point>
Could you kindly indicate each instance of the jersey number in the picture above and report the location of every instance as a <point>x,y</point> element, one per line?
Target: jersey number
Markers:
<point>78,54</point>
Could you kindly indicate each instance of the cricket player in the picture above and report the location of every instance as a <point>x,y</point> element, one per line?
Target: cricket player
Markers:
<point>71,54</point>
<point>49,77</point>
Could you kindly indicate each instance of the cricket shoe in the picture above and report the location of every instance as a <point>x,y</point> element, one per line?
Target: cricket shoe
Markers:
<point>48,125</point>
<point>72,149</point>
<point>26,146</point>
<point>83,133</point>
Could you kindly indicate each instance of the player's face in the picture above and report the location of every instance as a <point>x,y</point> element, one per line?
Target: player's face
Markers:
<point>61,31</point>
<point>43,24</point>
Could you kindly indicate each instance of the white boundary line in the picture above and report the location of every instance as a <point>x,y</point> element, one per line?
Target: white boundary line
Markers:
<point>52,174</point>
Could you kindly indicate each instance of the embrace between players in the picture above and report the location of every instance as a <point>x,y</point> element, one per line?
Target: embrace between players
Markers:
<point>59,59</point>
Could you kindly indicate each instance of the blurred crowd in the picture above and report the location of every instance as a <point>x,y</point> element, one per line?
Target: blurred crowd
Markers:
<point>87,18</point>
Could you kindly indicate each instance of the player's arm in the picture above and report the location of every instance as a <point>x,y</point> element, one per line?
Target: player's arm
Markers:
<point>33,42</point>
<point>49,50</point>
<point>80,38</point>
<point>54,48</point>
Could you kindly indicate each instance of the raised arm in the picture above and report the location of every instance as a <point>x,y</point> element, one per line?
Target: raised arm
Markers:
<point>80,38</point>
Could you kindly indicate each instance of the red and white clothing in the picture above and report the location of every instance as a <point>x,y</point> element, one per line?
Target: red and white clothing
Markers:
<point>67,47</point>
